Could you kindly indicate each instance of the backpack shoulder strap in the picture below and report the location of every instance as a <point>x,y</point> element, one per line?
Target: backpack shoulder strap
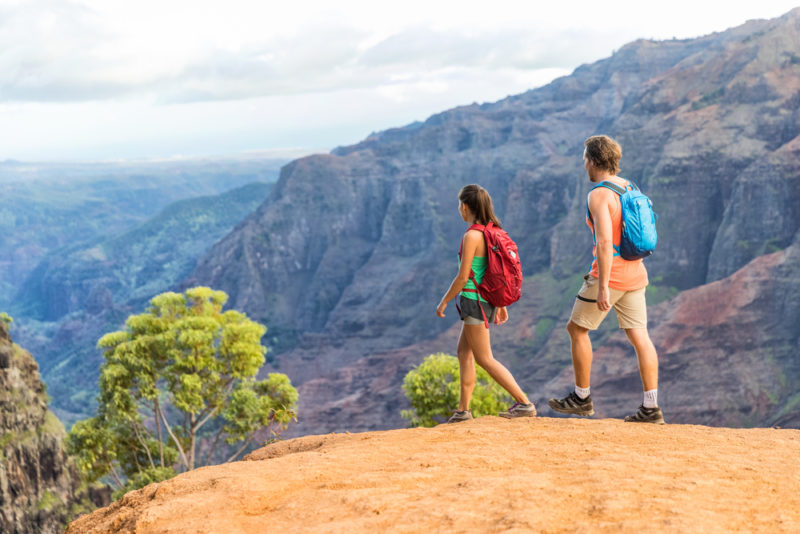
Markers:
<point>610,185</point>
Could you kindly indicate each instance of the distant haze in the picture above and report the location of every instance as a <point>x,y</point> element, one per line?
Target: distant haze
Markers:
<point>109,79</point>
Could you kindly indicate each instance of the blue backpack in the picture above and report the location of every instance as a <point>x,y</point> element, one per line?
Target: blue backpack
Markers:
<point>639,236</point>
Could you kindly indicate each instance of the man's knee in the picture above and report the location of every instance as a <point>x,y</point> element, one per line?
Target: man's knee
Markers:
<point>638,335</point>
<point>640,339</point>
<point>576,330</point>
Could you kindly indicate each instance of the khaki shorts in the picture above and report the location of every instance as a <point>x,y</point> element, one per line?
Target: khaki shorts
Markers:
<point>630,307</point>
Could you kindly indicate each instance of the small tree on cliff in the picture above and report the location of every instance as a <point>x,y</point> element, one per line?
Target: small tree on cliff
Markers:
<point>433,388</point>
<point>179,375</point>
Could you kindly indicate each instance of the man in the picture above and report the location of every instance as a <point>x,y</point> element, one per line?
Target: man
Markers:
<point>612,282</point>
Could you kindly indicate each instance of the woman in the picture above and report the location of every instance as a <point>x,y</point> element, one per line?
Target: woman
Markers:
<point>475,207</point>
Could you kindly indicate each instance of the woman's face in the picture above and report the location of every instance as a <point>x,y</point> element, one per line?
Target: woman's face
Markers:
<point>464,211</point>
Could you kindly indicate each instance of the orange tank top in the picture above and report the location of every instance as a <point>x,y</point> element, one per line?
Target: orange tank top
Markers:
<point>625,275</point>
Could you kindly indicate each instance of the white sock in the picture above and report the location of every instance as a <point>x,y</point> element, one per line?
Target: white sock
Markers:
<point>651,398</point>
<point>582,393</point>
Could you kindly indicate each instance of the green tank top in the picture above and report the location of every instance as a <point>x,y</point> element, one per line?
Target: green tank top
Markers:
<point>479,268</point>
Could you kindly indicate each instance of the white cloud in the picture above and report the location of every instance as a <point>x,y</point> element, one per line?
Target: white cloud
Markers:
<point>176,51</point>
<point>84,78</point>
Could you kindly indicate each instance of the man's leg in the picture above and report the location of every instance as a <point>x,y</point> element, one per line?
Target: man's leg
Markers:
<point>581,347</point>
<point>647,356</point>
<point>632,314</point>
<point>648,412</point>
<point>585,316</point>
<point>578,402</point>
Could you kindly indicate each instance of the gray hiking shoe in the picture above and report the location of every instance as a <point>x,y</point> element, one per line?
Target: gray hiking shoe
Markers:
<point>457,416</point>
<point>646,415</point>
<point>574,405</point>
<point>519,410</point>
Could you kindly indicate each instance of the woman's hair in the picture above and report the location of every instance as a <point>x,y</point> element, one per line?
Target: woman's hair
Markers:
<point>479,202</point>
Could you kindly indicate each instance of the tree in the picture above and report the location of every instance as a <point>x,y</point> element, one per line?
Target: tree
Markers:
<point>434,388</point>
<point>178,380</point>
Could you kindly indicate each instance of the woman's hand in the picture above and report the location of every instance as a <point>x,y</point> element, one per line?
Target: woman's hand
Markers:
<point>440,308</point>
<point>501,316</point>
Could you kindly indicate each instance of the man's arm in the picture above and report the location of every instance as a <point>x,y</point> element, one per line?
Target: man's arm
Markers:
<point>604,235</point>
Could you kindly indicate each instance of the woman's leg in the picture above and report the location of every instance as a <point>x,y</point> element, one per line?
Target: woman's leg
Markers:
<point>477,336</point>
<point>466,370</point>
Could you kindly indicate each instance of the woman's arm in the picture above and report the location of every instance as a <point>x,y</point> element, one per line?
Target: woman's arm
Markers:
<point>468,247</point>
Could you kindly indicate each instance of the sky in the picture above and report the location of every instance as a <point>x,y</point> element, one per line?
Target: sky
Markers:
<point>88,80</point>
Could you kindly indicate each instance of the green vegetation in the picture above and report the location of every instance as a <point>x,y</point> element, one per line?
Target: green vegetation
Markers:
<point>6,318</point>
<point>50,426</point>
<point>709,99</point>
<point>7,439</point>
<point>178,382</point>
<point>656,294</point>
<point>433,388</point>
<point>48,501</point>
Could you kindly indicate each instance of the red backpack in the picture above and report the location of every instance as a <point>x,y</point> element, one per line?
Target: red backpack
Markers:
<point>502,281</point>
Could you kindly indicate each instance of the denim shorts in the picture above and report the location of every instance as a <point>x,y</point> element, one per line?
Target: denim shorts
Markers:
<point>471,310</point>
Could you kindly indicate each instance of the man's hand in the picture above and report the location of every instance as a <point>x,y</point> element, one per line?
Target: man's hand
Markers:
<point>603,298</point>
<point>440,308</point>
<point>501,316</point>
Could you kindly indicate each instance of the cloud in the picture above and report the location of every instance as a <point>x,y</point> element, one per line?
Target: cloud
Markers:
<point>55,51</point>
<point>204,51</point>
<point>46,53</point>
<point>336,59</point>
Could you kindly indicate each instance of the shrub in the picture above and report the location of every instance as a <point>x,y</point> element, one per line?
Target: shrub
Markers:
<point>434,388</point>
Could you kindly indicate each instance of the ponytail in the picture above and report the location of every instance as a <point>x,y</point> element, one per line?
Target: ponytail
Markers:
<point>479,202</point>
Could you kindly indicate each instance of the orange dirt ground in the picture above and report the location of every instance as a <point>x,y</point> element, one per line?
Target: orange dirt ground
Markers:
<point>485,475</point>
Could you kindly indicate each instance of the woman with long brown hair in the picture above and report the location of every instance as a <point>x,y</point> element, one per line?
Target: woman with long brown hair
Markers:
<point>475,207</point>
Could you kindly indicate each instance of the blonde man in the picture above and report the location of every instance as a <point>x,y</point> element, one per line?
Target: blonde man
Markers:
<point>611,282</point>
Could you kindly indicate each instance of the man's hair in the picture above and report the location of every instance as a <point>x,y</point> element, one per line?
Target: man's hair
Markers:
<point>604,152</point>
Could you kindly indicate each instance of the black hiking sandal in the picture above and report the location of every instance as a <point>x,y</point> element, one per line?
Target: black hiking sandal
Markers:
<point>457,416</point>
<point>573,405</point>
<point>646,415</point>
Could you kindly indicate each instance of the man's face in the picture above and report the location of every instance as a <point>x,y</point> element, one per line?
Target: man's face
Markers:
<point>588,165</point>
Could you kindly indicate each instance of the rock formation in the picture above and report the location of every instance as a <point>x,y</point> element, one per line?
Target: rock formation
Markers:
<point>40,489</point>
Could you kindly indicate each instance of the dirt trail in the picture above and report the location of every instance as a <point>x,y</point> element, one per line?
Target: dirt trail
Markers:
<point>486,475</point>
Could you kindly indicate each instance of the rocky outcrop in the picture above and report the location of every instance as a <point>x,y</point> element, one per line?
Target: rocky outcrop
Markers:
<point>40,489</point>
<point>346,261</point>
<point>484,475</point>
